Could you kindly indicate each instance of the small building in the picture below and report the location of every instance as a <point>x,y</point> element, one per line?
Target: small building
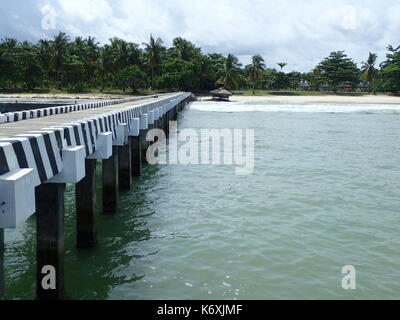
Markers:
<point>364,86</point>
<point>304,86</point>
<point>346,87</point>
<point>323,87</point>
<point>221,94</point>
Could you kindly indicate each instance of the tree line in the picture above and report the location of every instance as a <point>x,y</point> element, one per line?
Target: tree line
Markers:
<point>80,64</point>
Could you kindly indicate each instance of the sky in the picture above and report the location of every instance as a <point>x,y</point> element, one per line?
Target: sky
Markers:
<point>298,32</point>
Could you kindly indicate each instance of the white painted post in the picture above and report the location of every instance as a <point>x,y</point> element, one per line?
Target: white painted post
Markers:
<point>17,197</point>
<point>74,166</point>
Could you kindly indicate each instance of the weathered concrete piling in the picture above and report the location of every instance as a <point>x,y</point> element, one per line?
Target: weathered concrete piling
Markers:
<point>144,125</point>
<point>125,167</point>
<point>50,240</point>
<point>38,156</point>
<point>85,198</point>
<point>110,177</point>
<point>136,155</point>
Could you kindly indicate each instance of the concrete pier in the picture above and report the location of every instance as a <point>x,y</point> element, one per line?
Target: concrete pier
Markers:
<point>85,197</point>
<point>110,178</point>
<point>136,156</point>
<point>50,241</point>
<point>42,150</point>
<point>125,167</point>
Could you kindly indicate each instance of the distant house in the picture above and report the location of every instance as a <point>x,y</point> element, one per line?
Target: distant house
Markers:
<point>323,87</point>
<point>221,94</point>
<point>364,86</point>
<point>346,87</point>
<point>304,86</point>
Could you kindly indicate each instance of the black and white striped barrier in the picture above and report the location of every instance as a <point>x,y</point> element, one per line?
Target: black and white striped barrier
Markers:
<point>57,154</point>
<point>44,112</point>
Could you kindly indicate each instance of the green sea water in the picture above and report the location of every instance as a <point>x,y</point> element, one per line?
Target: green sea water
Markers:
<point>325,193</point>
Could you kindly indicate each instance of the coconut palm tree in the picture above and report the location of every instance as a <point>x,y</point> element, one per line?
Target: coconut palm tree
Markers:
<point>153,51</point>
<point>60,48</point>
<point>368,69</point>
<point>230,72</point>
<point>45,55</point>
<point>282,65</point>
<point>256,67</point>
<point>92,56</point>
<point>184,49</point>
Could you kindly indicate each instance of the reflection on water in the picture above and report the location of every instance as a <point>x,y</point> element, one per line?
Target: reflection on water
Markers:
<point>324,194</point>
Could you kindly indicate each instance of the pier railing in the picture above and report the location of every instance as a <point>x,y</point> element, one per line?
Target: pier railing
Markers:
<point>49,111</point>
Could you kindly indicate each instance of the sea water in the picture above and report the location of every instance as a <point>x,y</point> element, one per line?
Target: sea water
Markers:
<point>324,194</point>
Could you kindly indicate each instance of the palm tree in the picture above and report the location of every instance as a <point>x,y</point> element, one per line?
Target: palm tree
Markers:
<point>282,65</point>
<point>44,55</point>
<point>368,69</point>
<point>184,49</point>
<point>60,47</point>
<point>153,51</point>
<point>230,72</point>
<point>10,43</point>
<point>393,49</point>
<point>256,67</point>
<point>92,56</point>
<point>121,53</point>
<point>9,58</point>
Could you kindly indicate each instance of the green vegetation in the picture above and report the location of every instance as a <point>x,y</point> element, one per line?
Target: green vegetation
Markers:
<point>83,65</point>
<point>337,69</point>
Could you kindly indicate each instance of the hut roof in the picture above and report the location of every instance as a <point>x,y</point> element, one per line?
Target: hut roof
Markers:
<point>346,85</point>
<point>221,91</point>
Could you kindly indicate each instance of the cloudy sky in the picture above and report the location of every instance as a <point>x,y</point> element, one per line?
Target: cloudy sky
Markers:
<point>299,32</point>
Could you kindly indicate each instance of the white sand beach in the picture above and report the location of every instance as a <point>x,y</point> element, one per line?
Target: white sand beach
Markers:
<point>374,99</point>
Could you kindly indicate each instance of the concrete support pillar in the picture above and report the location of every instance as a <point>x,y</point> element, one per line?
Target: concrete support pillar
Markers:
<point>2,284</point>
<point>163,124</point>
<point>85,198</point>
<point>144,145</point>
<point>125,167</point>
<point>151,127</point>
<point>136,156</point>
<point>50,241</point>
<point>171,117</point>
<point>111,183</point>
<point>167,119</point>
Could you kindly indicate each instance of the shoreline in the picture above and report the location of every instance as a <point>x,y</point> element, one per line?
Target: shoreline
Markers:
<point>367,99</point>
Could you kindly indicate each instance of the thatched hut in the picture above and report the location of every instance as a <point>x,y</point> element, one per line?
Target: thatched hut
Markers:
<point>221,94</point>
<point>346,87</point>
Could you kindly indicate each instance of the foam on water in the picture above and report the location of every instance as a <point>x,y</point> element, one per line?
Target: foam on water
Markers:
<point>209,106</point>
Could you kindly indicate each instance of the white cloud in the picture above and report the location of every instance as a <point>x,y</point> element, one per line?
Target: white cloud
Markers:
<point>299,32</point>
